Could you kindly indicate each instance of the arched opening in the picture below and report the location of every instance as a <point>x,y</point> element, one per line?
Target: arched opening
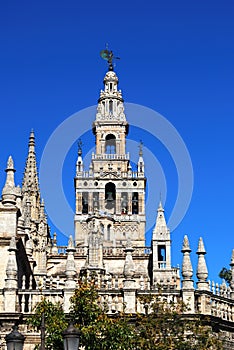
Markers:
<point>95,201</point>
<point>108,232</point>
<point>111,106</point>
<point>135,204</point>
<point>110,194</point>
<point>85,203</point>
<point>110,146</point>
<point>124,203</point>
<point>162,256</point>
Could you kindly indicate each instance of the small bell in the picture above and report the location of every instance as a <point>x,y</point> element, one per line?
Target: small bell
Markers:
<point>109,197</point>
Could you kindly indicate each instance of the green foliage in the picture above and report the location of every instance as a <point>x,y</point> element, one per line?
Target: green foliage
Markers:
<point>55,323</point>
<point>226,275</point>
<point>164,327</point>
<point>167,327</point>
<point>98,331</point>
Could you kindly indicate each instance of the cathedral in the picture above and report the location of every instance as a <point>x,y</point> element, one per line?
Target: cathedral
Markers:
<point>108,242</point>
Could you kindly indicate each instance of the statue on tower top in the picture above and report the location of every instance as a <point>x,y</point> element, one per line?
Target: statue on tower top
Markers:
<point>108,56</point>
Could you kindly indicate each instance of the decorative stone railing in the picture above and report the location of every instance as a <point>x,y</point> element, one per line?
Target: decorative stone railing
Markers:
<point>107,251</point>
<point>111,156</point>
<point>113,301</point>
<point>216,302</point>
<point>120,251</point>
<point>127,217</point>
<point>212,304</point>
<point>125,175</point>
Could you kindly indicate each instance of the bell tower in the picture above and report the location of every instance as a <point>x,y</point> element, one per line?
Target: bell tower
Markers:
<point>110,191</point>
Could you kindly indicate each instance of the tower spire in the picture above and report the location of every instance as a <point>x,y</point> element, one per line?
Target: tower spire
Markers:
<point>30,183</point>
<point>30,179</point>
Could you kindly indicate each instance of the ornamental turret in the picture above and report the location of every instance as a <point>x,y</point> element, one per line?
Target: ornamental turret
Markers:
<point>163,273</point>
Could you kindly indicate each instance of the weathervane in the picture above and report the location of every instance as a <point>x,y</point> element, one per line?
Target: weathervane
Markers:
<point>108,56</point>
<point>80,144</point>
<point>140,148</point>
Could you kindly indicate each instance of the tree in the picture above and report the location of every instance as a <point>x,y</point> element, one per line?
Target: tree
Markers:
<point>168,327</point>
<point>98,331</point>
<point>55,323</point>
<point>165,326</point>
<point>226,275</point>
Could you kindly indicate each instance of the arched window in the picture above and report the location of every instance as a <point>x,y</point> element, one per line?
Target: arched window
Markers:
<point>124,203</point>
<point>110,106</point>
<point>162,256</point>
<point>95,201</point>
<point>110,147</point>
<point>135,204</point>
<point>110,195</point>
<point>108,232</point>
<point>85,203</point>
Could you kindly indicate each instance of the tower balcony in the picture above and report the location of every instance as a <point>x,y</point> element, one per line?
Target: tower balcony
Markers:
<point>110,156</point>
<point>112,174</point>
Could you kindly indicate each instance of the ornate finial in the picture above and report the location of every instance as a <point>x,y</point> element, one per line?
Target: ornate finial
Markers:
<point>202,272</point>
<point>108,56</point>
<point>9,189</point>
<point>140,148</point>
<point>201,248</point>
<point>160,207</point>
<point>31,142</point>
<point>70,242</point>
<point>80,144</point>
<point>186,247</point>
<point>10,164</point>
<point>187,270</point>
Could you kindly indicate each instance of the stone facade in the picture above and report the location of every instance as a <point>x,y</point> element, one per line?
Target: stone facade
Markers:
<point>109,238</point>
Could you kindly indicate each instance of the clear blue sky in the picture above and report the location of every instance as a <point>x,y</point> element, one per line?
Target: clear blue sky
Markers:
<point>176,58</point>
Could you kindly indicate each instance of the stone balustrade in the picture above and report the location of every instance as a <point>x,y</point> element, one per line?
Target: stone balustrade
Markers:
<point>214,302</point>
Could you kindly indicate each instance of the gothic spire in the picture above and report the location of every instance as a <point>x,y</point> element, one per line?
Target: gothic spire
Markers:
<point>161,228</point>
<point>30,183</point>
<point>30,179</point>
